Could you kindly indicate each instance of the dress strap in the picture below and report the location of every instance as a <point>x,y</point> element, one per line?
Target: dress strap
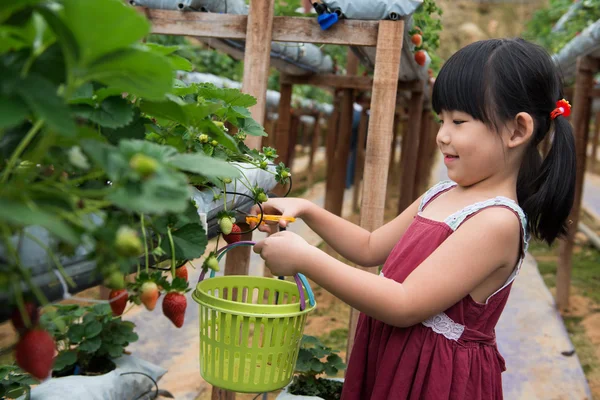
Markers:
<point>455,220</point>
<point>434,191</point>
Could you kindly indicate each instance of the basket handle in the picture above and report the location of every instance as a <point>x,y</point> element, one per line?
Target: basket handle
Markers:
<point>300,279</point>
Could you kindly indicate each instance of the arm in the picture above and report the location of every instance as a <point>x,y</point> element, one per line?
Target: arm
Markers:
<point>486,242</point>
<point>350,240</point>
<point>357,244</point>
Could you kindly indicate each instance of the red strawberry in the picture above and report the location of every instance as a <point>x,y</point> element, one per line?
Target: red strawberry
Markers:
<point>35,353</point>
<point>417,39</point>
<point>118,306</point>
<point>149,295</point>
<point>182,272</point>
<point>17,319</point>
<point>420,57</point>
<point>234,236</point>
<point>174,306</point>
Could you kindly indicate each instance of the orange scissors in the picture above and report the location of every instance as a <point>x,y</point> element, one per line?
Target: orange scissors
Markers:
<point>276,218</point>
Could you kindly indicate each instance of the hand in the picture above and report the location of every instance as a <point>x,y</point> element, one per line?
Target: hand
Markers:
<point>284,253</point>
<point>287,207</point>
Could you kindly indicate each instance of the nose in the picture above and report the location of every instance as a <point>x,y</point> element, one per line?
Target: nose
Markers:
<point>443,136</point>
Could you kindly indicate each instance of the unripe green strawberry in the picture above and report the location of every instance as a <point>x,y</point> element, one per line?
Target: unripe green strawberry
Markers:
<point>214,143</point>
<point>219,124</point>
<point>262,197</point>
<point>143,165</point>
<point>226,181</point>
<point>225,224</point>
<point>203,138</point>
<point>115,280</point>
<point>128,243</point>
<point>213,263</point>
<point>263,165</point>
<point>284,174</point>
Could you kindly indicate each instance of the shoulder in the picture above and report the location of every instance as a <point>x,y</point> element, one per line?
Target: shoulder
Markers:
<point>500,225</point>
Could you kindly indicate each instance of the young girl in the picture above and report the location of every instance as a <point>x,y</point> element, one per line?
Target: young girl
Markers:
<point>426,329</point>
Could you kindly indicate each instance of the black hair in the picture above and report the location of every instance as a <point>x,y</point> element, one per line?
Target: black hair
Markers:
<point>494,80</point>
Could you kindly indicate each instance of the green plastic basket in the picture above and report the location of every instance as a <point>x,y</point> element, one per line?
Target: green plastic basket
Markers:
<point>250,331</point>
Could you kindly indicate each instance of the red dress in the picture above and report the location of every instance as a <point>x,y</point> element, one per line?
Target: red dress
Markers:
<point>452,355</point>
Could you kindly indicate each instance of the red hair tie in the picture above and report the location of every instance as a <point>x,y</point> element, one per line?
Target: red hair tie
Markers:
<point>562,108</point>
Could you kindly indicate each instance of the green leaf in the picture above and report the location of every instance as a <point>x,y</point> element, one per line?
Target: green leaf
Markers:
<point>64,359</point>
<point>331,370</point>
<point>197,113</point>
<point>200,164</point>
<point>253,128</point>
<point>220,136</point>
<point>135,71</point>
<point>92,329</point>
<point>190,242</point>
<point>7,8</point>
<point>76,333</point>
<point>165,109</point>
<point>135,130</point>
<point>23,215</point>
<point>40,95</point>
<point>115,350</point>
<point>106,157</point>
<point>165,192</point>
<point>242,112</point>
<point>114,112</point>
<point>103,26</point>
<point>106,92</point>
<point>83,95</point>
<point>232,97</point>
<point>180,63</point>
<point>90,345</point>
<point>316,365</point>
<point>64,35</point>
<point>161,49</point>
<point>12,111</point>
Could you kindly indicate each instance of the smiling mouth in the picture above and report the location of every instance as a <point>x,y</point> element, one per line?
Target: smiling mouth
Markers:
<point>450,156</point>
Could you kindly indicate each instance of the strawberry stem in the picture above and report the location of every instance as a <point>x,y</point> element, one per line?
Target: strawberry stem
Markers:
<point>20,301</point>
<point>55,259</point>
<point>172,245</point>
<point>145,243</point>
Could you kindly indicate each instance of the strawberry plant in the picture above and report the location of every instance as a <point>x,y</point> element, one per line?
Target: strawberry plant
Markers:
<point>425,31</point>
<point>90,338</point>
<point>314,360</point>
<point>14,383</point>
<point>100,147</point>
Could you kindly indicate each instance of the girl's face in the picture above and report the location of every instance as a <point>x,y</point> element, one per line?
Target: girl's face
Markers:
<point>472,151</point>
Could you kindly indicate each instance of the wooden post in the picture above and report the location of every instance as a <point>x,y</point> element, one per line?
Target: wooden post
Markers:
<point>284,121</point>
<point>314,146</point>
<point>293,139</point>
<point>595,142</point>
<point>423,170</point>
<point>410,149</point>
<point>360,156</point>
<point>586,68</point>
<point>379,139</point>
<point>256,74</point>
<point>334,198</point>
<point>330,145</point>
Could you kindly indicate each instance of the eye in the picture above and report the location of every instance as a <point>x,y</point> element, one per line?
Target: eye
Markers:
<point>438,120</point>
<point>458,121</point>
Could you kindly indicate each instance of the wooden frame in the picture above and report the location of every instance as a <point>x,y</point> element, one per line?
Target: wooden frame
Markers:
<point>258,29</point>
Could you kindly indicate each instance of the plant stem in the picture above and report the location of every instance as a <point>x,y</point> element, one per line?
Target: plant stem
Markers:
<point>56,260</point>
<point>20,301</point>
<point>145,242</point>
<point>20,148</point>
<point>172,244</point>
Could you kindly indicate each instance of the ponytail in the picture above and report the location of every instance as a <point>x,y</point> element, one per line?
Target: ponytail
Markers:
<point>546,189</point>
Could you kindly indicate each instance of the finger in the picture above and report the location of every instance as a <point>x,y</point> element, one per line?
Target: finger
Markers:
<point>257,248</point>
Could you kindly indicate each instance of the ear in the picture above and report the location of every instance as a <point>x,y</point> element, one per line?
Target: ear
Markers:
<point>521,130</point>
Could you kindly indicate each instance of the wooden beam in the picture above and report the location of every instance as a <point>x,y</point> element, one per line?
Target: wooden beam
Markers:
<point>292,141</point>
<point>586,68</point>
<point>381,122</point>
<point>363,83</point>
<point>330,80</point>
<point>285,29</point>
<point>360,157</point>
<point>409,152</point>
